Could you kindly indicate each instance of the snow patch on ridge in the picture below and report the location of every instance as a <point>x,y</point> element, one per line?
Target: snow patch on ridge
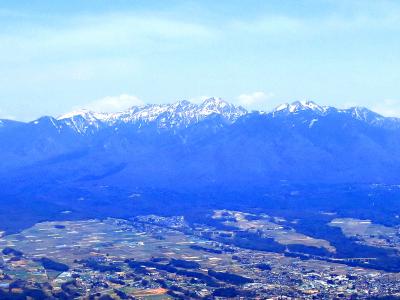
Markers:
<point>298,106</point>
<point>181,113</point>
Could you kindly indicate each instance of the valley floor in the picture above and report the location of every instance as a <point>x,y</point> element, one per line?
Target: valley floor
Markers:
<point>154,257</point>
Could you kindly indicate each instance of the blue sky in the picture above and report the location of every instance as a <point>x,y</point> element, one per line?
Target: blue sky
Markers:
<point>56,56</point>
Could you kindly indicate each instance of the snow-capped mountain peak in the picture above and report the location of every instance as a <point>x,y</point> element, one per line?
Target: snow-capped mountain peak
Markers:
<point>86,114</point>
<point>368,116</point>
<point>184,113</point>
<point>298,106</point>
<point>83,120</point>
<point>181,113</point>
<point>362,113</point>
<point>214,102</point>
<point>219,106</point>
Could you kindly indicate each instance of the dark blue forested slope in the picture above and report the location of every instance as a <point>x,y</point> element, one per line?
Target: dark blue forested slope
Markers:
<point>214,143</point>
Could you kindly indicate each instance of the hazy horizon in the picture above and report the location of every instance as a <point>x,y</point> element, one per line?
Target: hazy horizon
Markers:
<point>109,105</point>
<point>57,57</point>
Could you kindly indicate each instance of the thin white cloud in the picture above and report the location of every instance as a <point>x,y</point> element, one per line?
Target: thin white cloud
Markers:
<point>360,16</point>
<point>113,103</point>
<point>108,35</point>
<point>388,108</point>
<point>4,115</point>
<point>255,99</point>
<point>271,25</point>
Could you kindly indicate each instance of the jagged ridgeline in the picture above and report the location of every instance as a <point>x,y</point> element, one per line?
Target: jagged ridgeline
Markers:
<point>212,143</point>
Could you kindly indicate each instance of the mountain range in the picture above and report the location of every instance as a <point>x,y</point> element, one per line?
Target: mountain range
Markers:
<point>214,143</point>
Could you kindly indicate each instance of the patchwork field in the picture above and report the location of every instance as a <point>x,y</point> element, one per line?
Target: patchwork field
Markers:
<point>369,233</point>
<point>270,227</point>
<point>153,257</point>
